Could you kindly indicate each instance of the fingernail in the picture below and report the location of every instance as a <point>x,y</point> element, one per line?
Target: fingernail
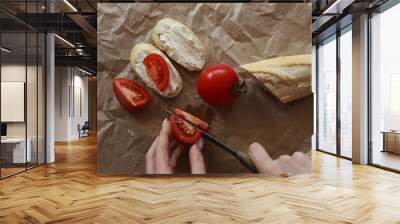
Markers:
<point>255,144</point>
<point>200,143</point>
<point>164,122</point>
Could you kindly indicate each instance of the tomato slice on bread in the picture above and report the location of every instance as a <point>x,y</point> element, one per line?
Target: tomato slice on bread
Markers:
<point>183,131</point>
<point>130,95</point>
<point>157,70</point>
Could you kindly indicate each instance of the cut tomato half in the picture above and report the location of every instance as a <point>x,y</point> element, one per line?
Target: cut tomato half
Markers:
<point>183,131</point>
<point>130,95</point>
<point>157,70</point>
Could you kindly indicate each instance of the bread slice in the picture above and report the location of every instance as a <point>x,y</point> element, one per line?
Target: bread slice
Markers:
<point>288,78</point>
<point>138,53</point>
<point>179,43</point>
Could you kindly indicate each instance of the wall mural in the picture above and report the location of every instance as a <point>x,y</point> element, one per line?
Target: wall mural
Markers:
<point>204,88</point>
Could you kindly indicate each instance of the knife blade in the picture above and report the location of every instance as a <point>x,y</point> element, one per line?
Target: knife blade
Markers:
<point>241,156</point>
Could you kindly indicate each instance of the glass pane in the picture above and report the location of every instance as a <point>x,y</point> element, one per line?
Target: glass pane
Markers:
<point>23,90</point>
<point>327,96</point>
<point>32,88</point>
<point>13,86</point>
<point>31,98</point>
<point>385,86</point>
<point>346,94</point>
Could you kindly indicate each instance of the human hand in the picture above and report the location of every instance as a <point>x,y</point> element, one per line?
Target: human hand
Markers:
<point>164,153</point>
<point>285,165</point>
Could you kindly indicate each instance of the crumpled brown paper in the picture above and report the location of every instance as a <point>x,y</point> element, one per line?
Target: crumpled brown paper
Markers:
<point>234,34</point>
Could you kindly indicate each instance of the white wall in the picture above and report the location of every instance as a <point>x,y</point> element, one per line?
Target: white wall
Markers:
<point>69,82</point>
<point>12,101</point>
<point>16,73</point>
<point>80,85</point>
<point>33,127</point>
<point>12,73</point>
<point>61,103</point>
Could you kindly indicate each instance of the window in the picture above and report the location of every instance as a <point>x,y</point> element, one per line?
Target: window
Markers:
<point>346,93</point>
<point>334,137</point>
<point>385,89</point>
<point>327,96</point>
<point>22,75</point>
<point>394,101</point>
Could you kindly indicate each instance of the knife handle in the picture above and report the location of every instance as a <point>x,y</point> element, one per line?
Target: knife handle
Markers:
<point>246,161</point>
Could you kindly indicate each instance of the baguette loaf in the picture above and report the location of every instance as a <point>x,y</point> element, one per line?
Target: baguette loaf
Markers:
<point>179,43</point>
<point>139,53</point>
<point>288,78</point>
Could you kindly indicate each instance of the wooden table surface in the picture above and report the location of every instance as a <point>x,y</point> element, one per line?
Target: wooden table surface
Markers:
<point>70,191</point>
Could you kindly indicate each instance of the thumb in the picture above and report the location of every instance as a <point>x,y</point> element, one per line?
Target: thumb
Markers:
<point>260,158</point>
<point>196,158</point>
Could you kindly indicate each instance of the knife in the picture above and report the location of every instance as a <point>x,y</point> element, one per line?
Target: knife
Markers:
<point>241,156</point>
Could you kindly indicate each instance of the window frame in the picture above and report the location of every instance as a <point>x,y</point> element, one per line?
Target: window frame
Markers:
<point>381,9</point>
<point>334,37</point>
<point>27,29</point>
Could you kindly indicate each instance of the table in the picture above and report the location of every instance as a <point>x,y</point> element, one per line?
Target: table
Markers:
<point>391,141</point>
<point>16,148</point>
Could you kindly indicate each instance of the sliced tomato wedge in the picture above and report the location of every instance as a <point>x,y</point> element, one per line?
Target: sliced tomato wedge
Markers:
<point>157,70</point>
<point>183,131</point>
<point>130,95</point>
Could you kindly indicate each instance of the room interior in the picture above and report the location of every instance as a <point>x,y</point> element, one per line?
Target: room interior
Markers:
<point>24,68</point>
<point>49,116</point>
<point>22,102</point>
<point>334,74</point>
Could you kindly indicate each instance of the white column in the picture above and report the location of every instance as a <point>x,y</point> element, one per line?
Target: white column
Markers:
<point>360,90</point>
<point>50,100</point>
<point>50,92</point>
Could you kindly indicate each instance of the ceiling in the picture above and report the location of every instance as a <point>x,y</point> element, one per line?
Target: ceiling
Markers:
<point>72,20</point>
<point>16,43</point>
<point>330,16</point>
<point>76,22</point>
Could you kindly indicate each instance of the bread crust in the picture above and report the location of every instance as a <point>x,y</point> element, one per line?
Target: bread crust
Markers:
<point>188,51</point>
<point>138,52</point>
<point>288,78</point>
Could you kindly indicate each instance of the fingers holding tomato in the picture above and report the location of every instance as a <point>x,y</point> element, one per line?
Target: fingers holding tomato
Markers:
<point>219,85</point>
<point>184,132</point>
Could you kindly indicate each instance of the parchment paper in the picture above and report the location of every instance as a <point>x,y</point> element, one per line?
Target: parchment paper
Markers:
<point>232,33</point>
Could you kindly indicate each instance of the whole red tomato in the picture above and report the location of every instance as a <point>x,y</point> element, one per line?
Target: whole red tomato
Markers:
<point>218,85</point>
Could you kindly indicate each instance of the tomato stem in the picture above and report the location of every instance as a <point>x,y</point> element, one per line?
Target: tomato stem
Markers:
<point>239,88</point>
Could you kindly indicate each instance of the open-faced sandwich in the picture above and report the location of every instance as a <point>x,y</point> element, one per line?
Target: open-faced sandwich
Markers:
<point>156,70</point>
<point>288,78</point>
<point>179,43</point>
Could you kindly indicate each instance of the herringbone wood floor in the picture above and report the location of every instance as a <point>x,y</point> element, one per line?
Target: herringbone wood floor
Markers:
<point>69,191</point>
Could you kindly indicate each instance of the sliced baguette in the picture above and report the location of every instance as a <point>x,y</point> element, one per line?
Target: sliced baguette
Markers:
<point>288,78</point>
<point>138,53</point>
<point>179,43</point>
